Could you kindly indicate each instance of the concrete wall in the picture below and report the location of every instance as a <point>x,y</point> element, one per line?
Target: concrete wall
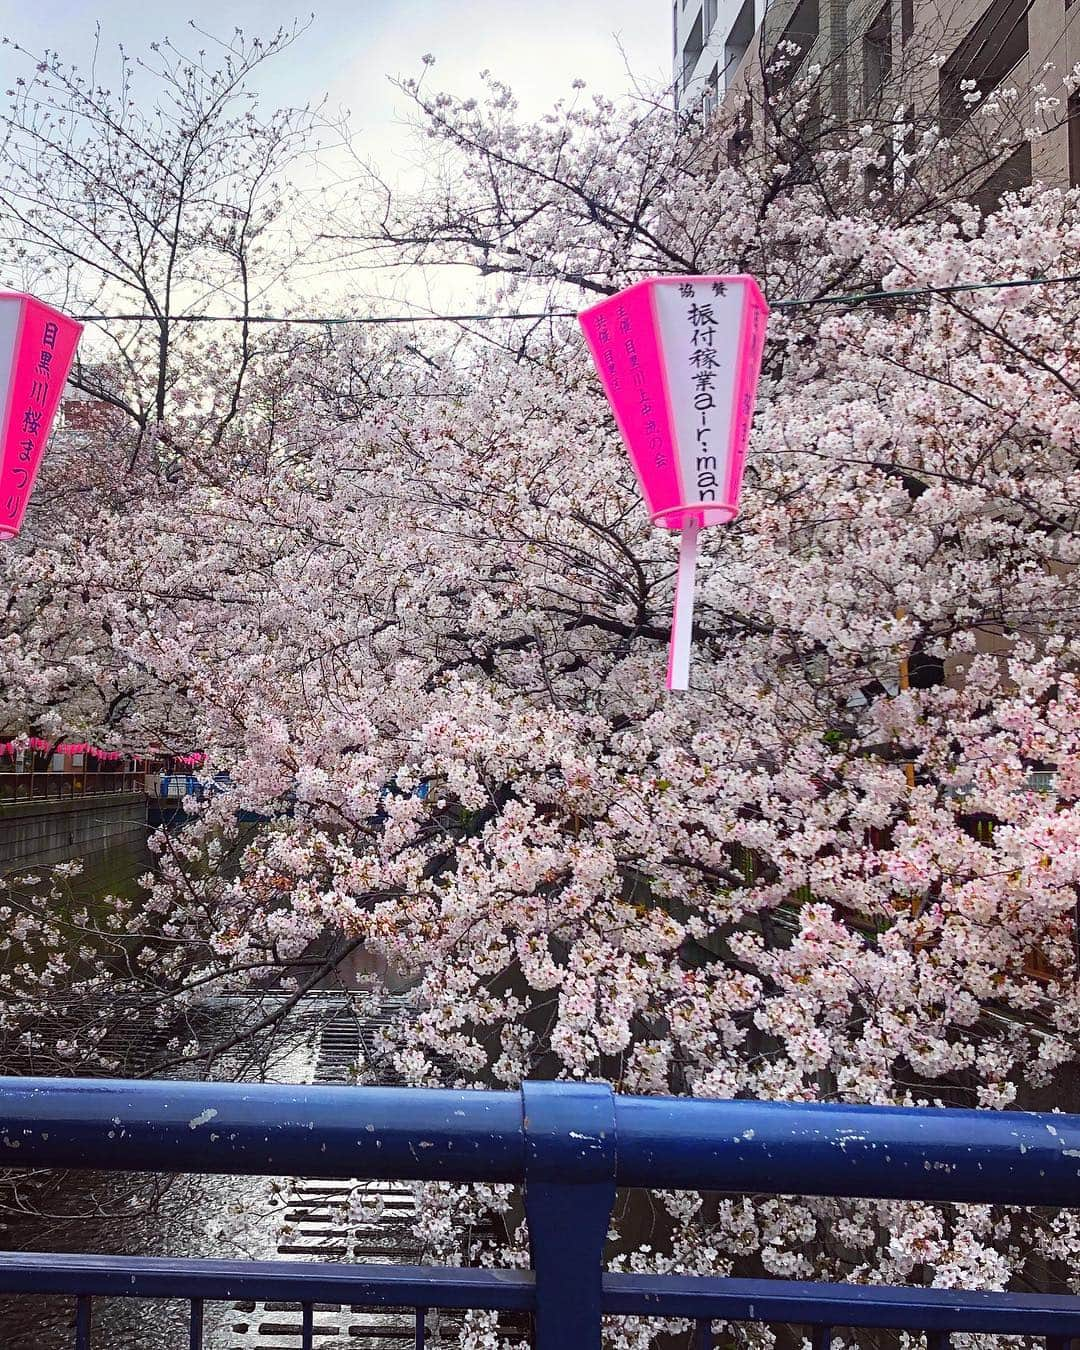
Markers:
<point>37,833</point>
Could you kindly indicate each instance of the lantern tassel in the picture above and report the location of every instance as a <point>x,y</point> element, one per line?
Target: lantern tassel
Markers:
<point>682,618</point>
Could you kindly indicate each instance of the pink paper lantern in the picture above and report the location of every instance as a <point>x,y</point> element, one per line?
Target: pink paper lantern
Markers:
<point>37,346</point>
<point>679,358</point>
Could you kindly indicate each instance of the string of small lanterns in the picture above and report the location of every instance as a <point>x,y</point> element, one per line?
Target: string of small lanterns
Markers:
<point>40,744</point>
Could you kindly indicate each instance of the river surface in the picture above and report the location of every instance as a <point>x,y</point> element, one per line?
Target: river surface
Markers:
<point>136,1214</point>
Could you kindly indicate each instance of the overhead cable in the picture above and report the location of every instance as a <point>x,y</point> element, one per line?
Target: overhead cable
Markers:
<point>851,298</point>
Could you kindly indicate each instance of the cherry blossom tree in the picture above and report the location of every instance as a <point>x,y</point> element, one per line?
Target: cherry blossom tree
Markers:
<point>154,187</point>
<point>427,640</point>
<point>163,195</point>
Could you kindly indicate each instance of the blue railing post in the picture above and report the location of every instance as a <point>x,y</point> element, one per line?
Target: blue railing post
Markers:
<point>569,1195</point>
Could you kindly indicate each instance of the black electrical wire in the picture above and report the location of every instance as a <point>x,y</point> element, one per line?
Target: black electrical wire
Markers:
<point>852,298</point>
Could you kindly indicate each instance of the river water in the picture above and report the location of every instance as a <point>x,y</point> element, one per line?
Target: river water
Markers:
<point>135,1214</point>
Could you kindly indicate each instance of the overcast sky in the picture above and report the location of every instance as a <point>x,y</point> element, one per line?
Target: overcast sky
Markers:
<point>351,47</point>
<point>537,46</point>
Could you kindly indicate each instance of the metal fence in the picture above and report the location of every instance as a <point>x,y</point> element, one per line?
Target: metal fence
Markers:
<point>43,784</point>
<point>569,1146</point>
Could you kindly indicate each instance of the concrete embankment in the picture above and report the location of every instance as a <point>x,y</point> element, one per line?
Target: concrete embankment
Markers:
<point>39,832</point>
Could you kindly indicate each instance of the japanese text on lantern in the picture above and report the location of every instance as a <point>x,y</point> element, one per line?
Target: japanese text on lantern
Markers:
<point>607,355</point>
<point>37,347</point>
<point>624,346</point>
<point>705,364</point>
<point>643,404</point>
<point>32,415</point>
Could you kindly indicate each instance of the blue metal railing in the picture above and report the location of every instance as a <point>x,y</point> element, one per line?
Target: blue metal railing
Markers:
<point>569,1145</point>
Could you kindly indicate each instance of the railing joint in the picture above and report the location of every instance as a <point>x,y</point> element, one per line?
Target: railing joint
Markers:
<point>570,1163</point>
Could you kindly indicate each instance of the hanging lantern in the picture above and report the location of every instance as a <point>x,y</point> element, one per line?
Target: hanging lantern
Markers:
<point>37,346</point>
<point>679,358</point>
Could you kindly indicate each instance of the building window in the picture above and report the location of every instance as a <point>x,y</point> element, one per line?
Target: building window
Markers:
<point>741,138</point>
<point>795,41</point>
<point>691,51</point>
<point>807,135</point>
<point>1074,139</point>
<point>907,19</point>
<point>903,145</point>
<point>710,16</point>
<point>738,40</point>
<point>878,176</point>
<point>877,55</point>
<point>711,99</point>
<point>995,44</point>
<point>1008,177</point>
<point>925,672</point>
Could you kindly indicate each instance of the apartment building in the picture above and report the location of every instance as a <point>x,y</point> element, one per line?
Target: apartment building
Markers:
<point>901,53</point>
<point>711,39</point>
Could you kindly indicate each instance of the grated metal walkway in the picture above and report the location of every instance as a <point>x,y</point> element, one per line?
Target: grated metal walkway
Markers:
<point>361,1222</point>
